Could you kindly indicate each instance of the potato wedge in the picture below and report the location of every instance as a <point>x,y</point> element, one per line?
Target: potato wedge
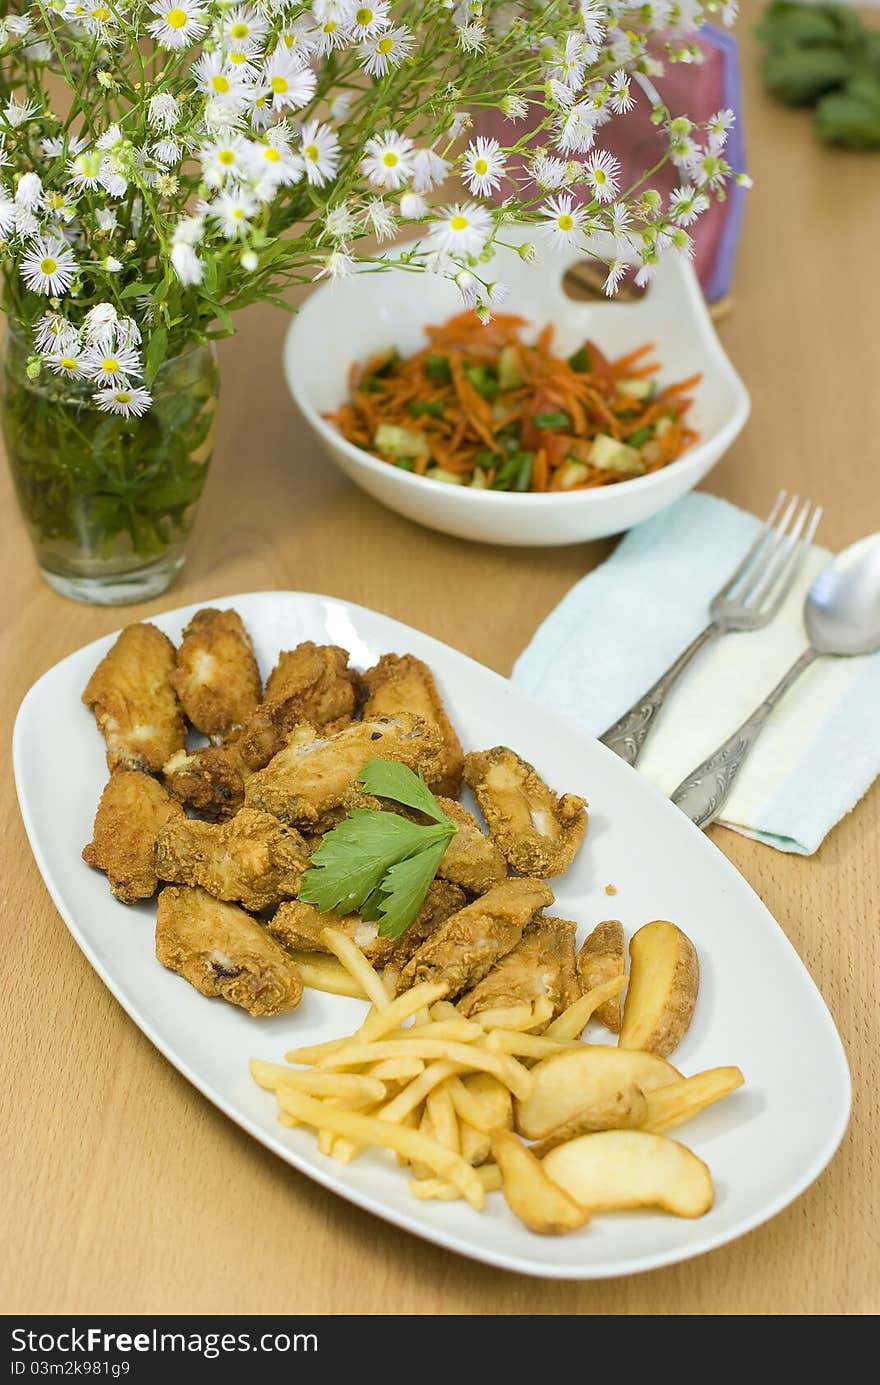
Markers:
<point>671,1106</point>
<point>528,1191</point>
<point>580,1078</point>
<point>618,1169</point>
<point>602,958</point>
<point>475,1144</point>
<point>626,1109</point>
<point>663,985</point>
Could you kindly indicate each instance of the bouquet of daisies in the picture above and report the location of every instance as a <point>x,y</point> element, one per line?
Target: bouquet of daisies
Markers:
<point>166,162</point>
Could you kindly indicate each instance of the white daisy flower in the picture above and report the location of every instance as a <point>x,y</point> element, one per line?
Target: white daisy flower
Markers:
<point>468,286</point>
<point>65,361</point>
<point>564,222</point>
<point>291,84</point>
<point>112,138</point>
<point>514,107</point>
<point>340,222</point>
<point>166,152</point>
<point>84,170</point>
<point>55,146</point>
<point>319,149</point>
<point>111,179</point>
<point>273,166</point>
<point>106,219</point>
<point>29,192</point>
<point>99,325</point>
<point>26,224</point>
<point>18,113</point>
<point>616,272</point>
<point>619,221</point>
<point>163,111</point>
<point>370,19</point>
<point>497,294</point>
<point>340,105</point>
<point>245,64</point>
<point>222,159</point>
<point>186,263</point>
<point>7,213</point>
<point>593,19</point>
<point>548,172</point>
<point>388,161</point>
<point>300,36</point>
<point>413,207</point>
<point>178,23</point>
<point>686,204</point>
<point>603,174</point>
<point>429,171</point>
<point>127,332</point>
<point>561,95</point>
<point>621,99</point>
<point>681,243</point>
<point>386,50</point>
<point>219,82</point>
<point>245,29</point>
<point>189,230</point>
<point>249,260</point>
<point>54,334</point>
<point>472,38</point>
<point>337,265</point>
<point>483,166</point>
<point>577,132</point>
<point>719,128</point>
<point>567,63</point>
<point>461,121</point>
<point>461,229</point>
<point>111,365</point>
<point>381,218</point>
<point>127,400</point>
<point>232,212</point>
<point>59,208</point>
<point>48,266</point>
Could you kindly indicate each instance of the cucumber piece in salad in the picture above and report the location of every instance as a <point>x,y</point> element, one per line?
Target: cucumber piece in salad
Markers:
<point>610,455</point>
<point>400,442</point>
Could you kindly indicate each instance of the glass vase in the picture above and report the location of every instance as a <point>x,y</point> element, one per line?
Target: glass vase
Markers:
<point>109,501</point>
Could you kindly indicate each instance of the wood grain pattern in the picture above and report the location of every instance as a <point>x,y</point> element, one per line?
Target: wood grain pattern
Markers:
<point>124,1190</point>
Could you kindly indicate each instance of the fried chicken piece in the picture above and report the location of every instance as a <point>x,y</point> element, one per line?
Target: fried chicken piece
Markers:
<point>298,926</point>
<point>538,832</point>
<point>402,683</point>
<point>314,774</point>
<point>252,858</point>
<point>471,859</point>
<point>603,957</point>
<point>222,951</point>
<point>216,675</point>
<point>311,684</point>
<point>541,964</point>
<point>132,809</point>
<point>134,703</point>
<point>210,780</point>
<point>463,949</point>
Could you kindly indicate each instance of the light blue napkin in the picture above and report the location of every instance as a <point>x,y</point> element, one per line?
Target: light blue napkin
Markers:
<point>618,629</point>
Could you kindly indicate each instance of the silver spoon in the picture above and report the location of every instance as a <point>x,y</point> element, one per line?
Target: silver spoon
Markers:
<point>842,617</point>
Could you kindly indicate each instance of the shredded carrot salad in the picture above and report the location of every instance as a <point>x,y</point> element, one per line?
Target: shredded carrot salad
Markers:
<point>480,407</point>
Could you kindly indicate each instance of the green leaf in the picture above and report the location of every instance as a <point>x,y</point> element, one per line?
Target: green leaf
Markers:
<point>155,353</point>
<point>137,290</point>
<point>354,857</point>
<point>388,779</point>
<point>404,888</point>
<point>851,117</point>
<point>799,75</point>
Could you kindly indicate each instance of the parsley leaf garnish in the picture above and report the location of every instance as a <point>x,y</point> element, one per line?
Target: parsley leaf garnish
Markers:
<point>380,864</point>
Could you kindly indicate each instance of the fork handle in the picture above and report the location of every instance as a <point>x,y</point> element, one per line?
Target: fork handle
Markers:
<point>706,789</point>
<point>629,733</point>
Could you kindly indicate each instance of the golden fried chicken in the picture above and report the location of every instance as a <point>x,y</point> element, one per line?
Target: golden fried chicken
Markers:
<point>312,685</point>
<point>538,832</point>
<point>134,703</point>
<point>252,858</point>
<point>314,774</point>
<point>541,964</point>
<point>402,683</point>
<point>298,926</point>
<point>463,949</point>
<point>216,675</point>
<point>222,951</point>
<point>210,780</point>
<point>603,957</point>
<point>132,810</point>
<point>471,859</point>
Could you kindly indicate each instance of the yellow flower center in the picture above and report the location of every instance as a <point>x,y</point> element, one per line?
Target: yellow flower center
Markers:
<point>600,176</point>
<point>385,45</point>
<point>239,30</point>
<point>220,83</point>
<point>271,155</point>
<point>227,157</point>
<point>68,363</point>
<point>364,16</point>
<point>279,85</point>
<point>481,167</point>
<point>312,152</point>
<point>260,102</point>
<point>176,19</point>
<point>237,213</point>
<point>110,365</point>
<point>458,223</point>
<point>48,266</point>
<point>101,14</point>
<point>330,26</point>
<point>237,58</point>
<point>122,397</point>
<point>289,40</point>
<point>565,222</point>
<point>390,159</point>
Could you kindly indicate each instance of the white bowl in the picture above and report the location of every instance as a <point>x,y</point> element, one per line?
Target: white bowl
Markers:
<point>353,319</point>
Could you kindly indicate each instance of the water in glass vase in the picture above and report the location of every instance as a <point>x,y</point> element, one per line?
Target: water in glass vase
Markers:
<point>109,501</point>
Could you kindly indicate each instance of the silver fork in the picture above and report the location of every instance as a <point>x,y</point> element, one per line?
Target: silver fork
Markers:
<point>749,600</point>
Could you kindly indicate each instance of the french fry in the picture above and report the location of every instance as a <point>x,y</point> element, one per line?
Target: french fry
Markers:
<point>347,1087</point>
<point>573,1021</point>
<point>493,1100</point>
<point>440,1189</point>
<point>372,1130</point>
<point>441,1111</point>
<point>525,1045</point>
<point>475,1144</point>
<point>390,978</point>
<point>426,1130</point>
<point>324,973</point>
<point>382,1022</point>
<point>460,1031</point>
<point>468,1107</point>
<point>287,1120</point>
<point>673,1105</point>
<point>506,1017</point>
<point>356,963</point>
<point>442,1009</point>
<point>530,1192</point>
<point>542,1013</point>
<point>312,1052</point>
<point>401,1106</point>
<point>468,1056</point>
<point>397,1069</point>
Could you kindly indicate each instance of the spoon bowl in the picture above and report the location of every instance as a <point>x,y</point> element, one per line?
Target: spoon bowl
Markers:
<point>842,609</point>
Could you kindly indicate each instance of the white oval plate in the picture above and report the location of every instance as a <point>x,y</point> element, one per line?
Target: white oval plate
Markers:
<point>757,1007</point>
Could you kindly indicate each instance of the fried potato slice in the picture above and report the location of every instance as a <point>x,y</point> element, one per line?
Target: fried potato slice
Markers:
<point>574,1020</point>
<point>579,1078</point>
<point>618,1169</point>
<point>663,985</point>
<point>670,1106</point>
<point>530,1193</point>
<point>602,958</point>
<point>441,1190</point>
<point>625,1109</point>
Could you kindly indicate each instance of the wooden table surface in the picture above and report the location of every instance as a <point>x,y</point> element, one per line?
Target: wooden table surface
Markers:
<point>123,1189</point>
